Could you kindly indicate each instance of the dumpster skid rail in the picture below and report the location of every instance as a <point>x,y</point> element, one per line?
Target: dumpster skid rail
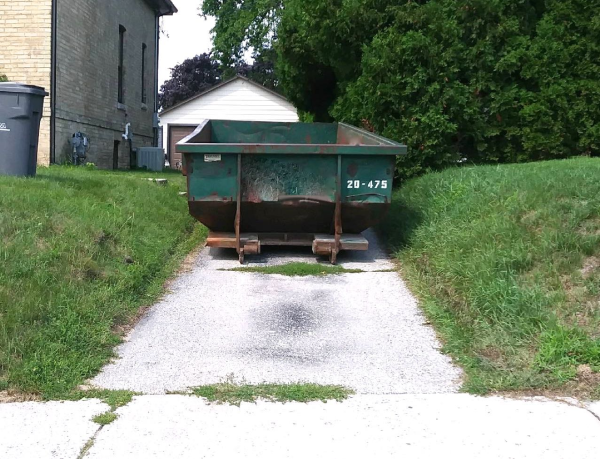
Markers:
<point>256,184</point>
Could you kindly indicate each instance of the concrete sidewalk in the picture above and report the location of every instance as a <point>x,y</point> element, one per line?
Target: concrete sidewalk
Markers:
<point>47,430</point>
<point>412,426</point>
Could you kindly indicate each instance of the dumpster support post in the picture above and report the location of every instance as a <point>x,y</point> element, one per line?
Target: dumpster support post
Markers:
<point>238,214</point>
<point>338,214</point>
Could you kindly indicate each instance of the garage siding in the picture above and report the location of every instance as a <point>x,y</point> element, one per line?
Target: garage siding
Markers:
<point>238,100</point>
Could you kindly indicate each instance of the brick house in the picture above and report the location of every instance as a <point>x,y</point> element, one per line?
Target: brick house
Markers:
<point>98,59</point>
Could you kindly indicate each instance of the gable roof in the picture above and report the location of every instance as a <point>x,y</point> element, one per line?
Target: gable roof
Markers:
<point>220,85</point>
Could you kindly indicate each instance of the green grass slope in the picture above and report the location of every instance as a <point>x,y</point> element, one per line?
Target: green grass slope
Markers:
<point>80,252</point>
<point>506,262</point>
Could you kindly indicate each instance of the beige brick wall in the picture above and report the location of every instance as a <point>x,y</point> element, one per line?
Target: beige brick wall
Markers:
<point>25,54</point>
<point>87,76</point>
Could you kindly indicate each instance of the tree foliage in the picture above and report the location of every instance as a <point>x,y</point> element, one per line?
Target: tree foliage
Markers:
<point>457,80</point>
<point>198,74</point>
<point>189,78</point>
<point>262,70</point>
<point>241,25</point>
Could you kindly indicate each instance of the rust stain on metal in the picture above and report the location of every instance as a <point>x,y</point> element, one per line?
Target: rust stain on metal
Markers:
<point>188,165</point>
<point>238,213</point>
<point>338,214</point>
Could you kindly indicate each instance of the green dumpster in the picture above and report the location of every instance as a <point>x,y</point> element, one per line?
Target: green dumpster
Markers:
<point>256,184</point>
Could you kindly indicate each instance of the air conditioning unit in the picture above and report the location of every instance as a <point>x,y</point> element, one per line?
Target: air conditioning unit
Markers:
<point>151,158</point>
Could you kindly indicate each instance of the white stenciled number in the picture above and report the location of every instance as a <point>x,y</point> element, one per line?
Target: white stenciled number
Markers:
<point>373,184</point>
<point>2,125</point>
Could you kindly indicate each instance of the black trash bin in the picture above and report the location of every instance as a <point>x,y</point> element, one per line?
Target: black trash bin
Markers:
<point>21,108</point>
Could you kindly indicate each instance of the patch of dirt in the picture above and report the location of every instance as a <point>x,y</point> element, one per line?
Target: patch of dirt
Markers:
<point>529,219</point>
<point>8,396</point>
<point>493,355</point>
<point>586,384</point>
<point>41,244</point>
<point>125,330</point>
<point>586,317</point>
<point>189,261</point>
<point>590,227</point>
<point>590,265</point>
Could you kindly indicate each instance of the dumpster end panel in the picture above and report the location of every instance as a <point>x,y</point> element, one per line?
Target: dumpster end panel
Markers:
<point>288,184</point>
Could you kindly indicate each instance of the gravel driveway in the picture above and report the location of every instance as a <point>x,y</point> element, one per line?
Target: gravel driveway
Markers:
<point>364,331</point>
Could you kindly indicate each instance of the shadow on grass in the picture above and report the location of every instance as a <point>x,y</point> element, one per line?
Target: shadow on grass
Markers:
<point>399,226</point>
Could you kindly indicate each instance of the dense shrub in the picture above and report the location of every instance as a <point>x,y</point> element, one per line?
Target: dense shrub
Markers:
<point>480,81</point>
<point>484,81</point>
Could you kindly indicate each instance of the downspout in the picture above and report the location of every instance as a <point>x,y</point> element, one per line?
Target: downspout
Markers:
<point>156,56</point>
<point>53,82</point>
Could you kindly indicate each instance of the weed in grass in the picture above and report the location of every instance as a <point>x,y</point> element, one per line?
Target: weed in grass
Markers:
<point>297,270</point>
<point>504,260</point>
<point>64,288</point>
<point>105,418</point>
<point>234,393</point>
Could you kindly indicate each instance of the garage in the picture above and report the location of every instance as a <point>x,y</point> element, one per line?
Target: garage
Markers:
<point>177,133</point>
<point>238,99</point>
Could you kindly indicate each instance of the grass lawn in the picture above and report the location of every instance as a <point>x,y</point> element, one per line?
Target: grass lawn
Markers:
<point>81,251</point>
<point>506,262</point>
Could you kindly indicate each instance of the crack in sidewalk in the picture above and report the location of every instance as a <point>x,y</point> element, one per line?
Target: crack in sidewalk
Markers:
<point>592,413</point>
<point>578,404</point>
<point>89,444</point>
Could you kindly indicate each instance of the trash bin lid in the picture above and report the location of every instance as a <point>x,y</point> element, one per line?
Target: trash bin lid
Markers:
<point>22,88</point>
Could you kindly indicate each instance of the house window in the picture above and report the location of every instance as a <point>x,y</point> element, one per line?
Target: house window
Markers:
<point>120,96</point>
<point>144,94</point>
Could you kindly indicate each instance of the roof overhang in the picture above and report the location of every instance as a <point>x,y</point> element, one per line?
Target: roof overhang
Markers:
<point>162,7</point>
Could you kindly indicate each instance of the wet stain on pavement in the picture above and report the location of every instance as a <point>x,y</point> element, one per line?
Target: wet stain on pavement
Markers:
<point>290,330</point>
<point>291,319</point>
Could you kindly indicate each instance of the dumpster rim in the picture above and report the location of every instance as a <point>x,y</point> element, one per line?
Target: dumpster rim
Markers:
<point>290,149</point>
<point>385,146</point>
